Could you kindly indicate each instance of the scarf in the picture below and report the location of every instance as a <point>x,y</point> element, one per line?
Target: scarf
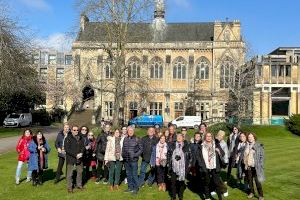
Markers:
<point>209,155</point>
<point>249,156</point>
<point>118,148</point>
<point>161,153</point>
<point>41,154</point>
<point>179,165</point>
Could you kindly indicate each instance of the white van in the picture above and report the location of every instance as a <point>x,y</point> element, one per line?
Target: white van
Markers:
<point>187,121</point>
<point>18,120</point>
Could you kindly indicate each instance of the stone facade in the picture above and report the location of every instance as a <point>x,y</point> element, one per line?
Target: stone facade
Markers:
<point>278,86</point>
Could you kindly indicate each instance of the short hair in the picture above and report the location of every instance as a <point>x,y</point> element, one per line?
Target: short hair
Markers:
<point>66,124</point>
<point>172,125</point>
<point>254,135</point>
<point>87,129</point>
<point>212,135</point>
<point>220,133</point>
<point>183,129</point>
<point>74,126</point>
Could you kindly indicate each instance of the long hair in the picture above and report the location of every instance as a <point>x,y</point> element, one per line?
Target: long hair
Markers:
<point>35,137</point>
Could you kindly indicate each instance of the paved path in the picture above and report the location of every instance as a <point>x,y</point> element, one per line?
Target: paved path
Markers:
<point>9,143</point>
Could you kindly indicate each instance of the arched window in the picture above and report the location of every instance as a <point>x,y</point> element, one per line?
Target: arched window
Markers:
<point>227,73</point>
<point>108,71</point>
<point>179,69</point>
<point>202,69</point>
<point>156,68</point>
<point>134,69</point>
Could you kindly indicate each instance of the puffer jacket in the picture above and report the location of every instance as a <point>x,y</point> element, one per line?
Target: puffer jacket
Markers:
<point>22,148</point>
<point>110,149</point>
<point>33,163</point>
<point>132,149</point>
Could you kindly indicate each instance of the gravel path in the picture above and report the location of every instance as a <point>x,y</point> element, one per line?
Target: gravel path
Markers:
<point>9,143</point>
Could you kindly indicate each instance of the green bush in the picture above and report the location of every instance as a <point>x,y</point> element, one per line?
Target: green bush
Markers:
<point>57,114</point>
<point>293,124</point>
<point>220,126</point>
<point>41,117</point>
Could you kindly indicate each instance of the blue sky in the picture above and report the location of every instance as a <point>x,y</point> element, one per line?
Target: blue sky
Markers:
<point>266,24</point>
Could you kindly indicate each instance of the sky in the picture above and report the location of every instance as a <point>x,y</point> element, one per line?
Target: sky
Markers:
<point>266,24</point>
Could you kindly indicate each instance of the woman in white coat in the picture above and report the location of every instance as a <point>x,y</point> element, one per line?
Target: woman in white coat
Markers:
<point>113,159</point>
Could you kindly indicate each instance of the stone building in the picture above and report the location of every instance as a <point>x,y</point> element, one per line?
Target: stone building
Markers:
<point>278,86</point>
<point>185,65</point>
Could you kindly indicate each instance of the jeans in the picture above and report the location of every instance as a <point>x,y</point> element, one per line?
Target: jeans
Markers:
<point>60,166</point>
<point>19,169</point>
<point>251,174</point>
<point>132,175</point>
<point>114,172</point>
<point>142,176</point>
<point>79,169</point>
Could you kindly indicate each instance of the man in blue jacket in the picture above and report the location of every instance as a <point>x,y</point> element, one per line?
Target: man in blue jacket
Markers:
<point>132,149</point>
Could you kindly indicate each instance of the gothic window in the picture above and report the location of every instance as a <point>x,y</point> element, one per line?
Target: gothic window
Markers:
<point>108,71</point>
<point>156,68</point>
<point>179,69</point>
<point>227,73</point>
<point>202,69</point>
<point>134,69</point>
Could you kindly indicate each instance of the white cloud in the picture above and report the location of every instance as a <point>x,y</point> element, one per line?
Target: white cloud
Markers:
<point>58,41</point>
<point>182,3</point>
<point>37,4</point>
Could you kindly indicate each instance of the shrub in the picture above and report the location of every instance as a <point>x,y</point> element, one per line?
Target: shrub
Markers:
<point>41,117</point>
<point>57,114</point>
<point>293,124</point>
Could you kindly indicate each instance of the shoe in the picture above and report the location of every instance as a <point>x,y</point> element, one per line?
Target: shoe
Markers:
<point>70,191</point>
<point>128,190</point>
<point>111,188</point>
<point>34,183</point>
<point>125,181</point>
<point>105,182</point>
<point>260,198</point>
<point>213,193</point>
<point>28,179</point>
<point>81,188</point>
<point>250,196</point>
<point>97,181</point>
<point>116,187</point>
<point>226,194</point>
<point>17,181</point>
<point>159,187</point>
<point>40,182</point>
<point>134,192</point>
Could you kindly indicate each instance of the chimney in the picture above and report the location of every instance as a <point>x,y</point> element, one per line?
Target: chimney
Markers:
<point>159,11</point>
<point>83,21</point>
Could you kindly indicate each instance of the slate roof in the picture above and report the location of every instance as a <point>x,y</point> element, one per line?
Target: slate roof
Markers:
<point>143,32</point>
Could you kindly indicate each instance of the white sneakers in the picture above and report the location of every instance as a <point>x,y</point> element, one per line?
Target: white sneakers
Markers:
<point>214,193</point>
<point>125,181</point>
<point>28,179</point>
<point>17,181</point>
<point>226,194</point>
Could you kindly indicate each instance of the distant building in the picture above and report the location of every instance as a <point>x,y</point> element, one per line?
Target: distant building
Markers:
<point>278,86</point>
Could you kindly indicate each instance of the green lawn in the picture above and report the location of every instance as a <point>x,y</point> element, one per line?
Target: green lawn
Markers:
<point>9,132</point>
<point>282,173</point>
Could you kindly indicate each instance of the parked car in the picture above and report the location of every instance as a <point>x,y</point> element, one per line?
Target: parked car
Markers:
<point>18,120</point>
<point>187,121</point>
<point>147,121</point>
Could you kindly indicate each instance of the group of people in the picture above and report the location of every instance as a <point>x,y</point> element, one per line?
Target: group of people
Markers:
<point>172,158</point>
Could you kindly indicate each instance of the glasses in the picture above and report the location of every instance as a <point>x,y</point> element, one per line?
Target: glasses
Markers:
<point>75,129</point>
<point>90,135</point>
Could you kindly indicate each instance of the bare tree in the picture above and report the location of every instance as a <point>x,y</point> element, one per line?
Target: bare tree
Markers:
<point>17,74</point>
<point>116,17</point>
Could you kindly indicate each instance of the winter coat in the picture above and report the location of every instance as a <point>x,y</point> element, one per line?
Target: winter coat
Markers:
<point>259,158</point>
<point>33,163</point>
<point>240,161</point>
<point>59,142</point>
<point>132,149</point>
<point>111,147</point>
<point>225,158</point>
<point>187,155</point>
<point>22,148</point>
<point>101,143</point>
<point>73,147</point>
<point>147,144</point>
<point>236,142</point>
<point>88,153</point>
<point>198,160</point>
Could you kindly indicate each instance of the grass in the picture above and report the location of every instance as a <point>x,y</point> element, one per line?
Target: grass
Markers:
<point>9,132</point>
<point>282,162</point>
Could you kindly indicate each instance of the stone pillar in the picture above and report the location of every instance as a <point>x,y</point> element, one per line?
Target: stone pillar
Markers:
<point>257,107</point>
<point>293,101</point>
<point>265,105</point>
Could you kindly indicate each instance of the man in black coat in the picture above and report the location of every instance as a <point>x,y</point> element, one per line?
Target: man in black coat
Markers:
<point>59,145</point>
<point>74,147</point>
<point>101,143</point>
<point>147,143</point>
<point>131,151</point>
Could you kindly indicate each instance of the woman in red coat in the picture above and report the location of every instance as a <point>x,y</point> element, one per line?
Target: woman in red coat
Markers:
<point>22,149</point>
